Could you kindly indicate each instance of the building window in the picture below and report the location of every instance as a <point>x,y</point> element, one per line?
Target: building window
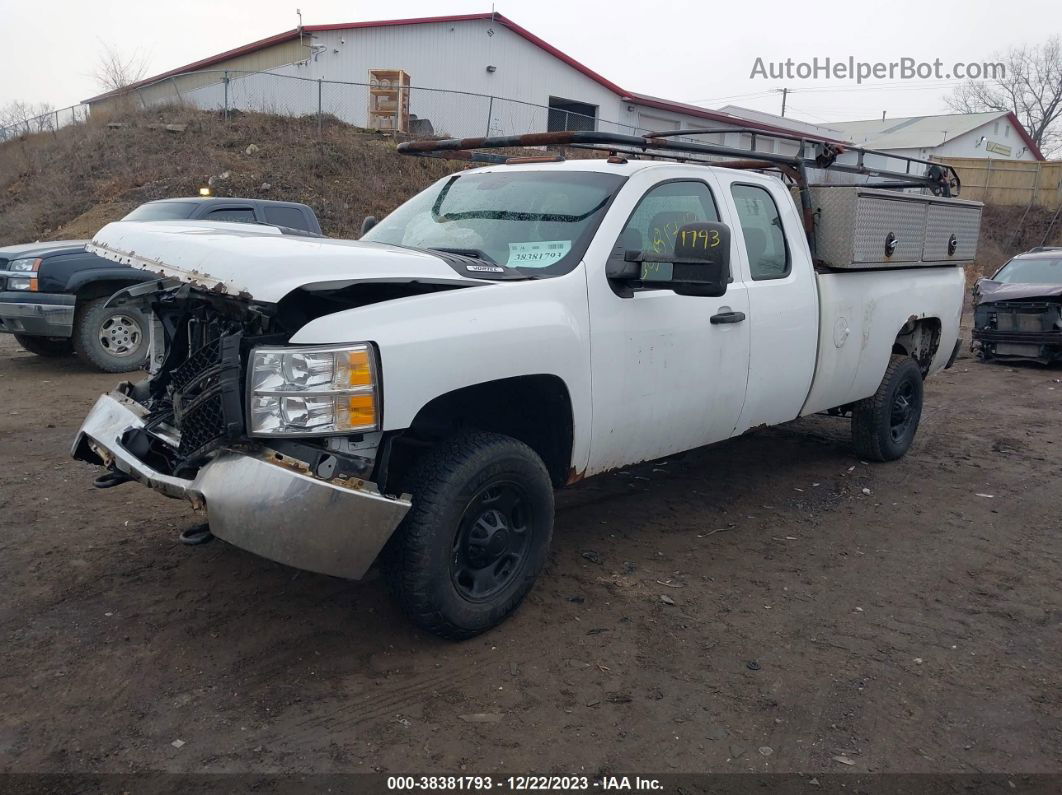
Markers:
<point>567,114</point>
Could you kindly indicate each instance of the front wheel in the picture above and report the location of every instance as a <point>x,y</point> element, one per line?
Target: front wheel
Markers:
<point>476,537</point>
<point>884,424</point>
<point>113,339</point>
<point>50,347</point>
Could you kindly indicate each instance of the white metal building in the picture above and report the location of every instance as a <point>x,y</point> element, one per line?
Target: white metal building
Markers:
<point>471,75</point>
<point>997,134</point>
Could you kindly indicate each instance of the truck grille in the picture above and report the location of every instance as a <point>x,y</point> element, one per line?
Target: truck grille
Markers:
<point>206,396</point>
<point>1023,321</point>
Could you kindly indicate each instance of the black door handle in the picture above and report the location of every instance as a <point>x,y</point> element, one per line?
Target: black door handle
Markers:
<point>727,317</point>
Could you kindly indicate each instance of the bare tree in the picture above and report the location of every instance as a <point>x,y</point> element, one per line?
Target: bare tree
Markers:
<point>18,117</point>
<point>115,71</point>
<point>1031,88</point>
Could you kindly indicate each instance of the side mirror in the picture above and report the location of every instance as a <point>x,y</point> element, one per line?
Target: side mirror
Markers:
<point>700,264</point>
<point>369,222</point>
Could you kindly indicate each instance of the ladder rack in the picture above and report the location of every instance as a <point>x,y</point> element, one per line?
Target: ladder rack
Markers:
<point>940,179</point>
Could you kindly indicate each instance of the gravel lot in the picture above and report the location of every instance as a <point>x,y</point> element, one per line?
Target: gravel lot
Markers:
<point>770,604</point>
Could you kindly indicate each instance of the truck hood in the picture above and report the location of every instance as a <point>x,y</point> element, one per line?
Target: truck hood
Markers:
<point>989,292</point>
<point>261,263</point>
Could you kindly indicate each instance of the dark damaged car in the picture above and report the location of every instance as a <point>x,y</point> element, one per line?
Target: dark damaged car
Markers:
<point>1018,312</point>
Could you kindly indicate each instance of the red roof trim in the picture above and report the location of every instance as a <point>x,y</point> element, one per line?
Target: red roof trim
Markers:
<point>636,99</point>
<point>1029,142</point>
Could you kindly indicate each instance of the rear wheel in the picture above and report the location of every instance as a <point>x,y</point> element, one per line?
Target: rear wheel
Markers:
<point>476,537</point>
<point>50,347</point>
<point>113,339</point>
<point>884,425</point>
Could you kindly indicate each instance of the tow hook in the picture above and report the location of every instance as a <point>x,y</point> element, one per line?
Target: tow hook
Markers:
<point>110,479</point>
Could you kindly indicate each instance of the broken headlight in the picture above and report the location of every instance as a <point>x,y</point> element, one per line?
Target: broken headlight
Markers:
<point>308,391</point>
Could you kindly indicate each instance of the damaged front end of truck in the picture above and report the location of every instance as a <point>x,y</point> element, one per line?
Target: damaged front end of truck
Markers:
<point>185,433</point>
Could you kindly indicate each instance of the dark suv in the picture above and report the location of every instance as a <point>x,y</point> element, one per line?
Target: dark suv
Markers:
<point>53,296</point>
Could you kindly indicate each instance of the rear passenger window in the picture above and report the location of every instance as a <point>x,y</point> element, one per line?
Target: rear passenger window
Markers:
<point>285,216</point>
<point>236,214</point>
<point>761,226</point>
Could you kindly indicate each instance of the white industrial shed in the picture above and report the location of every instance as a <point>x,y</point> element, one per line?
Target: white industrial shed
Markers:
<point>470,75</point>
<point>996,134</point>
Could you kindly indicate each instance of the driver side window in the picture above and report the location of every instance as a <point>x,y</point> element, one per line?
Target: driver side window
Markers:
<point>666,208</point>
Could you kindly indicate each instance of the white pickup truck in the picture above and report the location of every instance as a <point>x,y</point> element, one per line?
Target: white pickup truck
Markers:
<point>417,395</point>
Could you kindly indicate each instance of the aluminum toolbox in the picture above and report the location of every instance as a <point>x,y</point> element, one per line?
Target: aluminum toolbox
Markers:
<point>859,227</point>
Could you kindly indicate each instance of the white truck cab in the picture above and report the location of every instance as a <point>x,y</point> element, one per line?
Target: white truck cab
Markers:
<point>417,395</point>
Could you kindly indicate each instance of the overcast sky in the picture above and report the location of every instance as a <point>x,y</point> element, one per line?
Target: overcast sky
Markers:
<point>700,52</point>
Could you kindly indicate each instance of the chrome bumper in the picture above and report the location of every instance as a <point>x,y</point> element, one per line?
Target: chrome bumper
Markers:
<point>253,503</point>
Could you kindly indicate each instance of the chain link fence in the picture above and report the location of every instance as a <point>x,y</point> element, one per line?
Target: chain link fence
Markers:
<point>49,121</point>
<point>432,111</point>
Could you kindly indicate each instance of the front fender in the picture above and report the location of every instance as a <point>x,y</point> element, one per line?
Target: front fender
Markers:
<point>433,344</point>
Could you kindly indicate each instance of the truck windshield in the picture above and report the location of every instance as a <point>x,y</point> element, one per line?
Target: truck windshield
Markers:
<point>162,211</point>
<point>1034,270</point>
<point>537,221</point>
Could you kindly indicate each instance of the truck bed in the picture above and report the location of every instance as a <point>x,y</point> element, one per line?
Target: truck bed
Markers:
<point>856,331</point>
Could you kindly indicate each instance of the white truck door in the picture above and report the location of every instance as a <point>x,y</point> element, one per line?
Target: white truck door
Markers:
<point>782,293</point>
<point>665,377</point>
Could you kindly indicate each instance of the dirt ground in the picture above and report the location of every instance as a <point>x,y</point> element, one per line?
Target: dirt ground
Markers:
<point>769,604</point>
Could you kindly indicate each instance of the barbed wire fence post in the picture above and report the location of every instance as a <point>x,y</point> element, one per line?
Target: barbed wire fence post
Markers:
<point>225,80</point>
<point>320,91</point>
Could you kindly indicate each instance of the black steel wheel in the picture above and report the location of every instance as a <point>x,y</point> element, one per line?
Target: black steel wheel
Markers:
<point>476,537</point>
<point>492,541</point>
<point>884,425</point>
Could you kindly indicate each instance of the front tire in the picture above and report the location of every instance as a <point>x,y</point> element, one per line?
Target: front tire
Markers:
<point>48,347</point>
<point>113,339</point>
<point>477,536</point>
<point>884,425</point>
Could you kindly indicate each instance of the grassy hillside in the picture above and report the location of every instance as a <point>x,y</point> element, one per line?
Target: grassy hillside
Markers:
<point>69,183</point>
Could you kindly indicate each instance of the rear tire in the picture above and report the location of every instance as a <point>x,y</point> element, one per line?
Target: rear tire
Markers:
<point>48,347</point>
<point>476,537</point>
<point>112,338</point>
<point>884,425</point>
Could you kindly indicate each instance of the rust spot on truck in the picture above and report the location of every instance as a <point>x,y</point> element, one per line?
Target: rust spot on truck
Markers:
<point>297,465</point>
<point>574,476</point>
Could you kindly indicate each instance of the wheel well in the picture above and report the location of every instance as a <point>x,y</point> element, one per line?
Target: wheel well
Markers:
<point>104,288</point>
<point>919,338</point>
<point>536,409</point>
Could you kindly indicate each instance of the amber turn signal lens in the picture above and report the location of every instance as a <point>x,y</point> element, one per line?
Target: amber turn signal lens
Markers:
<point>359,368</point>
<point>361,411</point>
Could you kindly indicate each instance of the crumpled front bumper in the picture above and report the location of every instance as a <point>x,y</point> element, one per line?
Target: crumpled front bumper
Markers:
<point>269,508</point>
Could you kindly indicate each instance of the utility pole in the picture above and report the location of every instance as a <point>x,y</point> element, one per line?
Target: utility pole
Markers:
<point>784,91</point>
